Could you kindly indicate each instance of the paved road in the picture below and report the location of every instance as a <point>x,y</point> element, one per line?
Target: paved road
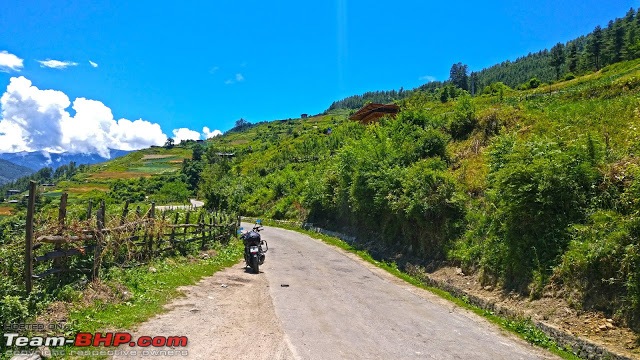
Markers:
<point>335,306</point>
<point>194,204</point>
<point>339,307</point>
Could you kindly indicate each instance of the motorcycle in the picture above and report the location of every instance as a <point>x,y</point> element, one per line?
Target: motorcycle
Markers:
<point>254,247</point>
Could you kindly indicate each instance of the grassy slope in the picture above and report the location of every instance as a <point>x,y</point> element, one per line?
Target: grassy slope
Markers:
<point>143,163</point>
<point>603,104</point>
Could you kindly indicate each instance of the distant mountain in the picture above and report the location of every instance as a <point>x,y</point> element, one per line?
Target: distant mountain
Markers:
<point>40,159</point>
<point>10,171</point>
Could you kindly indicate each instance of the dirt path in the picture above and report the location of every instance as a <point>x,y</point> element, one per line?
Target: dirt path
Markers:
<point>332,306</point>
<point>221,315</point>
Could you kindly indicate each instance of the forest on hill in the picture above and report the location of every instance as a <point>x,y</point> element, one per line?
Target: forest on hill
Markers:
<point>10,171</point>
<point>618,41</point>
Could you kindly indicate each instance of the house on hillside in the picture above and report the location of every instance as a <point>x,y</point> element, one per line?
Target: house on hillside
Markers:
<point>226,155</point>
<point>373,112</point>
<point>11,193</point>
<point>304,116</point>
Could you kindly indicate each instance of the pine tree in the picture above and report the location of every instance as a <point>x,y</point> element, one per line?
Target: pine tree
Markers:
<point>628,18</point>
<point>474,82</point>
<point>572,57</point>
<point>615,42</point>
<point>594,47</point>
<point>458,76</point>
<point>557,58</point>
<point>629,49</point>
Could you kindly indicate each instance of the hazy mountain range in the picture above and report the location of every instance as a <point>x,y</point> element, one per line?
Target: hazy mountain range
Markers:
<point>10,171</point>
<point>39,159</point>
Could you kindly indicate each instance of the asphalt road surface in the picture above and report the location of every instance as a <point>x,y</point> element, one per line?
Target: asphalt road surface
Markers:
<point>314,301</point>
<point>194,204</point>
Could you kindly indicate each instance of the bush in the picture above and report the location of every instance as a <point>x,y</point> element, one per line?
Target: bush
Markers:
<point>13,310</point>
<point>495,88</point>
<point>172,192</point>
<point>538,189</point>
<point>464,118</point>
<point>601,267</point>
<point>531,84</point>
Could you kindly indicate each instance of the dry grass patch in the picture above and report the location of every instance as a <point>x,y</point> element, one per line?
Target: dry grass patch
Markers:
<point>154,157</point>
<point>119,175</point>
<point>5,210</point>
<point>82,189</point>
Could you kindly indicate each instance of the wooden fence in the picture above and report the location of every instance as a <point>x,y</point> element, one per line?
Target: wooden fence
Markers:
<point>126,239</point>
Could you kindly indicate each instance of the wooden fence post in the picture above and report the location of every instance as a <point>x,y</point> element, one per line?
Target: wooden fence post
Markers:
<point>99,236</point>
<point>62,212</point>
<point>152,215</point>
<point>125,212</point>
<point>211,238</point>
<point>62,215</point>
<point>89,208</point>
<point>172,239</point>
<point>186,227</point>
<point>203,233</point>
<point>28,254</point>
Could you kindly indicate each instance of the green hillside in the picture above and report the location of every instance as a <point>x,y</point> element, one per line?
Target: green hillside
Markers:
<point>527,187</point>
<point>10,171</point>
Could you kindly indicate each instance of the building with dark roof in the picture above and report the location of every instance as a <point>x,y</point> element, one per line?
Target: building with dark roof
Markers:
<point>373,112</point>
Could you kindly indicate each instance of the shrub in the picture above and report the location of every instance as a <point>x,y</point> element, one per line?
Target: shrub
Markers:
<point>531,84</point>
<point>601,267</point>
<point>537,188</point>
<point>464,118</point>
<point>13,310</point>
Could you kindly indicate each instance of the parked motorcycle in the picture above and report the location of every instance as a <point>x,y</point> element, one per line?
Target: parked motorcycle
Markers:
<point>254,247</point>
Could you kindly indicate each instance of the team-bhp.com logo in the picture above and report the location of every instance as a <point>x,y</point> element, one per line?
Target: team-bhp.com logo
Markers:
<point>83,339</point>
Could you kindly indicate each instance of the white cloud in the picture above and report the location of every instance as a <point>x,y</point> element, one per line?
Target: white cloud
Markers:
<point>185,134</point>
<point>213,70</point>
<point>56,64</point>
<point>208,134</point>
<point>10,62</point>
<point>238,78</point>
<point>37,120</point>
<point>95,65</point>
<point>427,78</point>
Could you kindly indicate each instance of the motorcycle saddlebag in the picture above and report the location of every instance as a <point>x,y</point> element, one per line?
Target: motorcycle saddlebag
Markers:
<point>252,237</point>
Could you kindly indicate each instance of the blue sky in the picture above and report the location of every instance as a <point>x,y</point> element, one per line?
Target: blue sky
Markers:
<point>192,64</point>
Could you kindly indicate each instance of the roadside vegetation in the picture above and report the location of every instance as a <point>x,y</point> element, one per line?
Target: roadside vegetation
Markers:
<point>127,292</point>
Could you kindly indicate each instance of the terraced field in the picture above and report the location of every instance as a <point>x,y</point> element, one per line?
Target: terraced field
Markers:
<point>145,163</point>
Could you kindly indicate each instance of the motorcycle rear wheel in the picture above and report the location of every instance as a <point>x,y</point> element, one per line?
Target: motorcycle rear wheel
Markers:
<point>255,265</point>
